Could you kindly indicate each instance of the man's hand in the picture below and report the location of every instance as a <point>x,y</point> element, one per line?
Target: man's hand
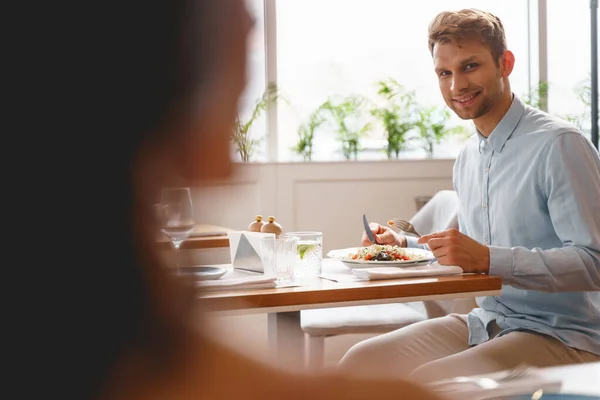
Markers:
<point>383,235</point>
<point>454,248</point>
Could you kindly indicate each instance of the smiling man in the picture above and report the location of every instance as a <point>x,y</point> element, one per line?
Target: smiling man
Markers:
<point>529,192</point>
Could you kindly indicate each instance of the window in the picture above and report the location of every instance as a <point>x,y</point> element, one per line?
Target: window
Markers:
<point>326,48</point>
<point>569,62</point>
<point>343,47</point>
<point>256,79</point>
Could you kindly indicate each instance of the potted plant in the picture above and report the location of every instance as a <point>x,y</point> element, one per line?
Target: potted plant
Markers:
<point>582,120</point>
<point>306,134</point>
<point>345,115</point>
<point>395,115</point>
<point>433,127</point>
<point>244,144</point>
<point>583,91</point>
<point>537,96</point>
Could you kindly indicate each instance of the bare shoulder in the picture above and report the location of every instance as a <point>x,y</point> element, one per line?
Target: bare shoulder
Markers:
<point>214,371</point>
<point>242,377</point>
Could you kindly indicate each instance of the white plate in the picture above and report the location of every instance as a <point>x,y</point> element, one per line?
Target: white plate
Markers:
<point>202,272</point>
<point>343,255</point>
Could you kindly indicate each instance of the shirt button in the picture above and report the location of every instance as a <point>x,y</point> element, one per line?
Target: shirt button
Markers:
<point>486,170</point>
<point>484,205</point>
<point>486,242</point>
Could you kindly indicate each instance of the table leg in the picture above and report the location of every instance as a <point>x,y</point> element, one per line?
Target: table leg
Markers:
<point>286,339</point>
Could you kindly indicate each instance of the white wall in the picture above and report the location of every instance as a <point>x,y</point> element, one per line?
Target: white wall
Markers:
<point>329,197</point>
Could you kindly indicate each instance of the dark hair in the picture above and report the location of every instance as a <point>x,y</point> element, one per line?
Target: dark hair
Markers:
<point>121,73</point>
<point>455,26</point>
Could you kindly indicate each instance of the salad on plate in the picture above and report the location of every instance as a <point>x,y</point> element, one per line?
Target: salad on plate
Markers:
<point>380,252</point>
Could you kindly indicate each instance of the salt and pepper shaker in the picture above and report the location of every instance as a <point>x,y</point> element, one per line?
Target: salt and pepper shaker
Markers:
<point>257,224</point>
<point>272,227</point>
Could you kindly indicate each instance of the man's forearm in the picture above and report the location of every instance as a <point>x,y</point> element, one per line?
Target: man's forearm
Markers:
<point>566,269</point>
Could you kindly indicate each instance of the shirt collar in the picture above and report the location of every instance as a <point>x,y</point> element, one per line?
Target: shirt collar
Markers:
<point>506,126</point>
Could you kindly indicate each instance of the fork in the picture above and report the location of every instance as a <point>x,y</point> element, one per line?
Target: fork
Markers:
<point>404,226</point>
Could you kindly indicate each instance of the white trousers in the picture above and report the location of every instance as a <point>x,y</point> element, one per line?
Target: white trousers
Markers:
<point>438,348</point>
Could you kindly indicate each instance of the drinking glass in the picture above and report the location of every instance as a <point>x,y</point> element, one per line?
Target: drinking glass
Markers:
<point>176,216</point>
<point>309,257</point>
<point>278,255</point>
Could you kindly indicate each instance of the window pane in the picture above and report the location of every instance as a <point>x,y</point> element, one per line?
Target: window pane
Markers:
<point>255,84</point>
<point>343,47</point>
<point>569,61</point>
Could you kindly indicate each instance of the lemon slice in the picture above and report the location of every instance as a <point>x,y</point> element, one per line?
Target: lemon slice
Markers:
<point>303,248</point>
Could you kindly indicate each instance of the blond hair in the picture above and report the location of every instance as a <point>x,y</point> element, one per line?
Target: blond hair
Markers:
<point>456,26</point>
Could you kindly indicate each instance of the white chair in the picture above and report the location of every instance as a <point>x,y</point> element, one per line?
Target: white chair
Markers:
<point>437,214</point>
<point>380,318</point>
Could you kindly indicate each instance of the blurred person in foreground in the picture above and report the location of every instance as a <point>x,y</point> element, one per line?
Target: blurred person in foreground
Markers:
<point>147,94</point>
<point>529,187</point>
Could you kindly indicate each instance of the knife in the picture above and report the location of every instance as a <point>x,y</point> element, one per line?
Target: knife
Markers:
<point>368,230</point>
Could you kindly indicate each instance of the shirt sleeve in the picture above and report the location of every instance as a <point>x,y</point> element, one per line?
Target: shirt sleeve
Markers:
<point>412,243</point>
<point>571,181</point>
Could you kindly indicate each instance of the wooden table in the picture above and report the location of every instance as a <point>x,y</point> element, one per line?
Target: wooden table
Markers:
<point>320,293</point>
<point>204,236</point>
<point>283,304</point>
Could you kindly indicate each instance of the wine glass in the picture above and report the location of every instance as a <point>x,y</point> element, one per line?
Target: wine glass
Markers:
<point>177,216</point>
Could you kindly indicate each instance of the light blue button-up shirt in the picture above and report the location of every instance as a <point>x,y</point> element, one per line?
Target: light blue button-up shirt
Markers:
<point>531,191</point>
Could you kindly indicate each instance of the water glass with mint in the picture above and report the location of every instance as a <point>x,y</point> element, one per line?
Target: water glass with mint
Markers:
<point>309,260</point>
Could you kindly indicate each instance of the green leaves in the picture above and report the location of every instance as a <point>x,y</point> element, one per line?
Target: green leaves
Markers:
<point>345,115</point>
<point>306,134</point>
<point>396,115</point>
<point>433,126</point>
<point>583,91</point>
<point>396,111</point>
<point>537,96</point>
<point>244,144</point>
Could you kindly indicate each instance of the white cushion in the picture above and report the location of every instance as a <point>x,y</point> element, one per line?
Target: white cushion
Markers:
<point>377,318</point>
<point>440,213</point>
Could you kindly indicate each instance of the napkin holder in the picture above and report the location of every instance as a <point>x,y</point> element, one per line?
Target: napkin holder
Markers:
<point>244,248</point>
